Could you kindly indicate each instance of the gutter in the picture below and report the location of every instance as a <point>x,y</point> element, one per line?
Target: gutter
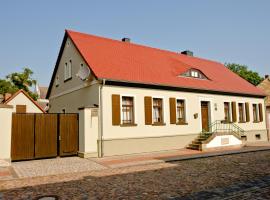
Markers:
<point>100,121</point>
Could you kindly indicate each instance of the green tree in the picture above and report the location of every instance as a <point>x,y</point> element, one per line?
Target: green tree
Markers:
<point>7,87</point>
<point>19,80</point>
<point>243,71</point>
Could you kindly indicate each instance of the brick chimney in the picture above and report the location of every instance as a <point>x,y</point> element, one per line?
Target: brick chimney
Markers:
<point>126,40</point>
<point>187,52</point>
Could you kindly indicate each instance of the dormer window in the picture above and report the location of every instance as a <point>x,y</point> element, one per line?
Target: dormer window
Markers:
<point>194,73</point>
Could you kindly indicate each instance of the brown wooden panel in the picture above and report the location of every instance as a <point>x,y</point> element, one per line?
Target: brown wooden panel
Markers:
<point>247,112</point>
<point>69,134</point>
<point>261,112</point>
<point>205,116</point>
<point>22,138</point>
<point>172,110</point>
<point>116,119</point>
<point>234,116</point>
<point>45,135</point>
<point>20,108</point>
<point>148,110</point>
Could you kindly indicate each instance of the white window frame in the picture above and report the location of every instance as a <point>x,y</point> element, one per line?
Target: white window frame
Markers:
<point>257,112</point>
<point>134,107</point>
<point>244,111</point>
<point>230,109</point>
<point>163,108</point>
<point>68,70</point>
<point>185,108</point>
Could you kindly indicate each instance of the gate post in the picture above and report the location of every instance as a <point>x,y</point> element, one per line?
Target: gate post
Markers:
<point>88,132</point>
<point>5,133</point>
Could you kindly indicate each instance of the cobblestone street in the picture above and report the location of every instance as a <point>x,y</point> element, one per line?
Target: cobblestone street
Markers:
<point>240,176</point>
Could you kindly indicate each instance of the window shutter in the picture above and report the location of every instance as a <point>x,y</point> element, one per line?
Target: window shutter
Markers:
<point>115,109</point>
<point>234,117</point>
<point>148,110</point>
<point>247,112</point>
<point>173,110</point>
<point>20,108</point>
<point>261,112</point>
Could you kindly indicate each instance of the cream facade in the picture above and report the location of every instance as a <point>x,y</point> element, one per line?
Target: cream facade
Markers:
<point>22,99</point>
<point>98,135</point>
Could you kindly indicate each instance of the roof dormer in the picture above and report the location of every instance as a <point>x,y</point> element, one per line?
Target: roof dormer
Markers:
<point>194,73</point>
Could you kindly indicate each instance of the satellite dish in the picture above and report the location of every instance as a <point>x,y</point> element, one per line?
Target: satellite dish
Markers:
<point>84,72</point>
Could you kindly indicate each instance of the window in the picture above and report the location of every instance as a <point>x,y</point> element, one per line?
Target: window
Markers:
<point>157,111</point>
<point>57,81</point>
<point>127,110</point>
<point>258,136</point>
<point>68,68</point>
<point>241,112</point>
<point>194,73</point>
<point>180,111</point>
<point>227,112</point>
<point>20,108</point>
<point>255,112</point>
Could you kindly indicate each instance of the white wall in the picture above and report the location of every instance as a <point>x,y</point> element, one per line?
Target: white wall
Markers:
<point>21,99</point>
<point>192,105</point>
<point>217,141</point>
<point>5,131</point>
<point>88,132</point>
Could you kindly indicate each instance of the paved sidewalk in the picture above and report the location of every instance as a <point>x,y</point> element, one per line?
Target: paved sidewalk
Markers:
<point>173,155</point>
<point>54,166</point>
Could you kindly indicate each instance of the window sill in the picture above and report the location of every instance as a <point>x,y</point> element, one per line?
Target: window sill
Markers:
<point>128,125</point>
<point>256,122</point>
<point>159,124</point>
<point>68,79</point>
<point>242,122</point>
<point>226,122</point>
<point>182,123</point>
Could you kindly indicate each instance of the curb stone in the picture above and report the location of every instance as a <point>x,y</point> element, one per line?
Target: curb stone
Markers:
<point>214,154</point>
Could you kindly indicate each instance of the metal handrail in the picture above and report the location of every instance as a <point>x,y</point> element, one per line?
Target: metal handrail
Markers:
<point>223,126</point>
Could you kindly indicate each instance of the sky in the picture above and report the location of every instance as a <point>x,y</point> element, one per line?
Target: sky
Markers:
<point>228,31</point>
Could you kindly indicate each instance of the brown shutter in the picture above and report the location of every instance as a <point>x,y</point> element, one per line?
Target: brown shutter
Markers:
<point>115,109</point>
<point>247,112</point>
<point>173,110</point>
<point>261,112</point>
<point>148,110</point>
<point>234,117</point>
<point>20,108</point>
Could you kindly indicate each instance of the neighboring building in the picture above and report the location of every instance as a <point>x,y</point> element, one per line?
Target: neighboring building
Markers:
<point>42,101</point>
<point>265,86</point>
<point>151,99</point>
<point>21,102</point>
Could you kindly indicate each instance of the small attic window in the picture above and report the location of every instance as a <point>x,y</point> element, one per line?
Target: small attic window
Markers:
<point>194,73</point>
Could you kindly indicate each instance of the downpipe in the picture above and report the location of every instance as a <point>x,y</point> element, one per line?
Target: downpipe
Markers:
<point>100,121</point>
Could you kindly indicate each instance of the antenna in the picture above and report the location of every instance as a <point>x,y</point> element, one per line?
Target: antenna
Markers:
<point>84,72</point>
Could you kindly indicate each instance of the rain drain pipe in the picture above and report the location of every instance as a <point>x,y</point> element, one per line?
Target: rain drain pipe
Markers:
<point>100,121</point>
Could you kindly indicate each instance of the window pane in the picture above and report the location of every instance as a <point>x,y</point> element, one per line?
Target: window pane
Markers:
<point>157,110</point>
<point>180,111</point>
<point>127,110</point>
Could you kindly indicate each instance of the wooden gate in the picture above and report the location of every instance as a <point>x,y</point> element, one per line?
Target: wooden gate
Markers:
<point>44,135</point>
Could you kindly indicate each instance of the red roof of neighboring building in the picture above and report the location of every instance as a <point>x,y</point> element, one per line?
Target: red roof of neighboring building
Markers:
<point>123,61</point>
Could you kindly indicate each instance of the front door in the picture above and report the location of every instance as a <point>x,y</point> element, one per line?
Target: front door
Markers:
<point>205,115</point>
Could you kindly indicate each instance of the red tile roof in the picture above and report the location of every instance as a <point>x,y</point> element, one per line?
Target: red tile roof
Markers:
<point>122,61</point>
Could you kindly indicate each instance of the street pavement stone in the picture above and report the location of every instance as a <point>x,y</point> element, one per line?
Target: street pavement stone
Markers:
<point>239,176</point>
